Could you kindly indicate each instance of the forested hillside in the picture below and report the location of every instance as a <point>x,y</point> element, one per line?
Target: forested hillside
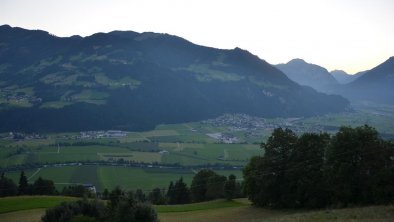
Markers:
<point>134,81</point>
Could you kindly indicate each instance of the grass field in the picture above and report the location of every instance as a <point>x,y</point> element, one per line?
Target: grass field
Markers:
<point>216,204</point>
<point>187,144</point>
<point>111,176</point>
<point>238,210</point>
<point>247,213</point>
<point>10,204</point>
<point>187,154</point>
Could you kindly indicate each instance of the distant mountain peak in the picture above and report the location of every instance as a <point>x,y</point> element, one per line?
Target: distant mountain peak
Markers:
<point>339,71</point>
<point>298,60</point>
<point>309,74</point>
<point>5,27</point>
<point>343,77</point>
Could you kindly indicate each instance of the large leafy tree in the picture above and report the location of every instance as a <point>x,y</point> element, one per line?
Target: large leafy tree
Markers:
<point>266,182</point>
<point>305,174</point>
<point>199,186</point>
<point>230,187</point>
<point>215,187</point>
<point>44,187</point>
<point>355,157</point>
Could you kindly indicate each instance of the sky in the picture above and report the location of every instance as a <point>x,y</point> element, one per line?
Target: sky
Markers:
<point>350,35</point>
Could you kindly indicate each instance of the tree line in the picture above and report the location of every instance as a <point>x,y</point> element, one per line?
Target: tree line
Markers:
<point>206,185</point>
<point>353,167</point>
<point>38,187</point>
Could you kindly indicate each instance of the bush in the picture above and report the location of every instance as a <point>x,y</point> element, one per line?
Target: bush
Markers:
<point>75,211</point>
<point>121,208</point>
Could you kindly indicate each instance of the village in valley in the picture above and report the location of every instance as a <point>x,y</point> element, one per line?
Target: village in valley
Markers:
<point>252,126</point>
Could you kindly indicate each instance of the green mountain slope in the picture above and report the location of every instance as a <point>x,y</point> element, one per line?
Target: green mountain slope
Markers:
<point>134,81</point>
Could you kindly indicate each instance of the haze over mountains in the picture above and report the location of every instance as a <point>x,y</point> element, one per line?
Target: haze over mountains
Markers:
<point>375,85</point>
<point>134,81</point>
<point>343,78</point>
<point>308,74</point>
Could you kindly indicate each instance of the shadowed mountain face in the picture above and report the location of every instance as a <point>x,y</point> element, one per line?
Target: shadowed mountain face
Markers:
<point>134,81</point>
<point>343,78</point>
<point>375,85</point>
<point>308,74</point>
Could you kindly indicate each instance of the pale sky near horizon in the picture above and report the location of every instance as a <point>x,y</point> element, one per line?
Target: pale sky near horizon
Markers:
<point>351,35</point>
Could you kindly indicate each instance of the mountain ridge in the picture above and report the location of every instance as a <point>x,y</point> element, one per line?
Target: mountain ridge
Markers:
<point>308,74</point>
<point>134,81</point>
<point>375,85</point>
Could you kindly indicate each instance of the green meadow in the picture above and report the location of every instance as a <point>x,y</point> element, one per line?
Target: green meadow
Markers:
<point>129,178</point>
<point>187,145</point>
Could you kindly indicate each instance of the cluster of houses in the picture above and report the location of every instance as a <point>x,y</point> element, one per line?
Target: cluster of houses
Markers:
<point>253,125</point>
<point>224,137</point>
<point>22,98</point>
<point>241,122</point>
<point>23,136</point>
<point>102,134</point>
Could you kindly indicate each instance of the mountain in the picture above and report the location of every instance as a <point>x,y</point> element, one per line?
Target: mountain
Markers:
<point>375,85</point>
<point>135,81</point>
<point>343,78</point>
<point>308,74</point>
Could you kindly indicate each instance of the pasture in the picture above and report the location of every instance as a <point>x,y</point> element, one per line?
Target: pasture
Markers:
<point>186,154</point>
<point>109,177</point>
<point>186,144</point>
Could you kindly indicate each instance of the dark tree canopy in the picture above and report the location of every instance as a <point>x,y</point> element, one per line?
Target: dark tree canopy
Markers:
<point>355,158</point>
<point>7,187</point>
<point>206,185</point>
<point>178,193</point>
<point>44,187</point>
<point>122,207</point>
<point>232,188</point>
<point>23,185</point>
<point>156,196</point>
<point>314,170</point>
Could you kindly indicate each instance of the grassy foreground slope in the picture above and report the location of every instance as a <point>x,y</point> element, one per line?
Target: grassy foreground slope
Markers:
<point>10,204</point>
<point>253,214</point>
<point>23,216</point>
<point>31,210</point>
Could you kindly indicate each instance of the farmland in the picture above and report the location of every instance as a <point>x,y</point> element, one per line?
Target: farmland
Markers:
<point>151,159</point>
<point>129,178</point>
